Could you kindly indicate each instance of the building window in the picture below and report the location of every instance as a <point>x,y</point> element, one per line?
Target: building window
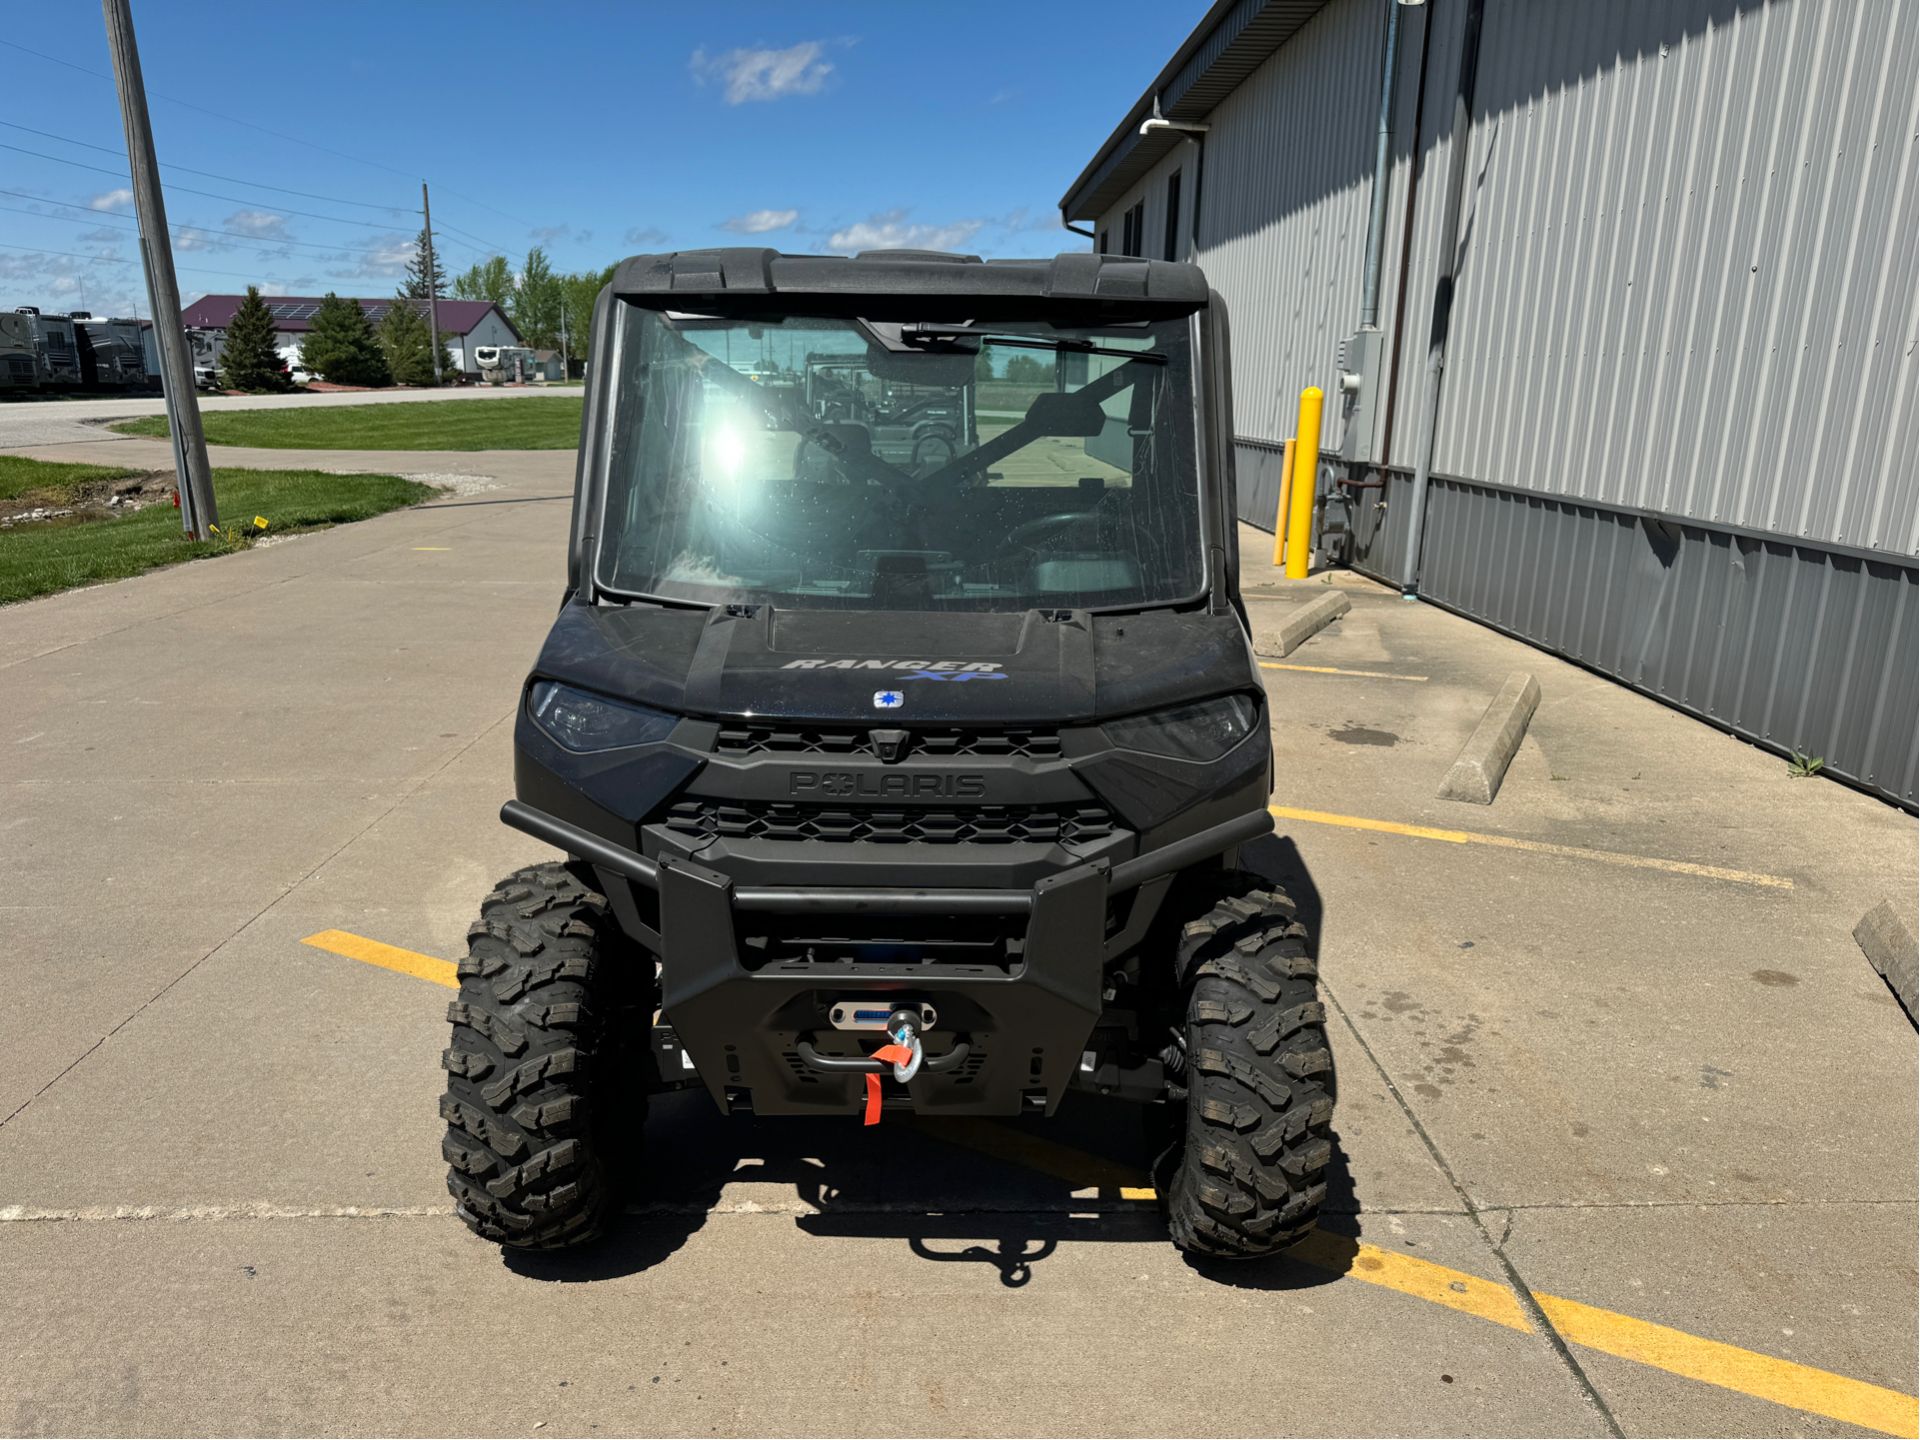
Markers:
<point>1103,242</point>
<point>1173,216</point>
<point>1133,227</point>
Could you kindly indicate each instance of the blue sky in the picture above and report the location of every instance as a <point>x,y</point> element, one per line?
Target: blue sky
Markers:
<point>596,130</point>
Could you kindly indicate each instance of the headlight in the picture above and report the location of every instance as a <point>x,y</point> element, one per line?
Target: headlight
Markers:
<point>1192,732</point>
<point>584,723</point>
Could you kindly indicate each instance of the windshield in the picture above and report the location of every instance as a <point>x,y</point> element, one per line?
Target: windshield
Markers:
<point>815,462</point>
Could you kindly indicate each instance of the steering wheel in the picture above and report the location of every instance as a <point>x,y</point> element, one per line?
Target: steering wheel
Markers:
<point>1031,534</point>
<point>937,444</point>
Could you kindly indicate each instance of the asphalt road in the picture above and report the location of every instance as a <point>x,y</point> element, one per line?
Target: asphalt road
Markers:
<point>1623,1148</point>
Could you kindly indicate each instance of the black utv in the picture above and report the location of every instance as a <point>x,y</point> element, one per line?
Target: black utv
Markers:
<point>887,786</point>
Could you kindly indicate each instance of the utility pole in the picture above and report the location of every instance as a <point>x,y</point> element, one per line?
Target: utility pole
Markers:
<point>433,285</point>
<point>566,351</point>
<point>193,478</point>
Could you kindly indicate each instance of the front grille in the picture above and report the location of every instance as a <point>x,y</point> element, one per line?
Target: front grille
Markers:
<point>933,744</point>
<point>20,367</point>
<point>985,825</point>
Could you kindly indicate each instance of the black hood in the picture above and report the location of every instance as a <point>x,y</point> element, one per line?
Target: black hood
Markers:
<point>908,668</point>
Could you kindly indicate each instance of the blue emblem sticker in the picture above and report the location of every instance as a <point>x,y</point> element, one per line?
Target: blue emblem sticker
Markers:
<point>888,699</point>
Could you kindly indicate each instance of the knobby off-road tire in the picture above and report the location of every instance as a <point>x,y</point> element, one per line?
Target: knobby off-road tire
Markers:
<point>1249,1173</point>
<point>542,1085</point>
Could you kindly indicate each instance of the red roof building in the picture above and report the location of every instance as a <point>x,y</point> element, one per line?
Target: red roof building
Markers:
<point>466,323</point>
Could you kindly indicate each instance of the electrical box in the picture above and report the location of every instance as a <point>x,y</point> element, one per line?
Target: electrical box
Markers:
<point>1363,383</point>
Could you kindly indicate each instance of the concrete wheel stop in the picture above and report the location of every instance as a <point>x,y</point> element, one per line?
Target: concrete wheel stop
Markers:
<point>1476,775</point>
<point>1887,942</point>
<point>1278,638</point>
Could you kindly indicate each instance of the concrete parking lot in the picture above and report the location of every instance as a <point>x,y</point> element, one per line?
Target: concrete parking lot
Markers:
<point>25,423</point>
<point>1626,1122</point>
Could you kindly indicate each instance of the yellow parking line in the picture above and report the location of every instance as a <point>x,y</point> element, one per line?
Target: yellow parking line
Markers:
<point>1728,1367</point>
<point>1747,1372</point>
<point>433,547</point>
<point>387,957</point>
<point>1766,1377</point>
<point>1336,670</point>
<point>1537,847</point>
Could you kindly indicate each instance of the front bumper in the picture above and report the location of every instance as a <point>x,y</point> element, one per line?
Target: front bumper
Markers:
<point>752,1018</point>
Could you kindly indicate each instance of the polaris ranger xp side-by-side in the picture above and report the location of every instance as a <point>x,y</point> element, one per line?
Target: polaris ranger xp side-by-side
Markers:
<point>895,777</point>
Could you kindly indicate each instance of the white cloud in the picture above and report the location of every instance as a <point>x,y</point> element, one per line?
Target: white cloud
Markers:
<point>759,222</point>
<point>121,199</point>
<point>765,74</point>
<point>383,258</point>
<point>549,234</point>
<point>262,223</point>
<point>890,230</point>
<point>646,237</point>
<point>188,239</point>
<point>103,235</point>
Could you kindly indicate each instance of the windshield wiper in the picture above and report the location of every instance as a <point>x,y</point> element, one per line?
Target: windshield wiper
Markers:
<point>933,334</point>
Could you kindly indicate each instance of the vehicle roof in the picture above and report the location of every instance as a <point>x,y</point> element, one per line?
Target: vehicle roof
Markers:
<point>746,272</point>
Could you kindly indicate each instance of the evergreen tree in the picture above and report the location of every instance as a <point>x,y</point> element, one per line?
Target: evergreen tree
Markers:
<point>408,344</point>
<point>341,348</point>
<point>250,360</point>
<point>415,286</point>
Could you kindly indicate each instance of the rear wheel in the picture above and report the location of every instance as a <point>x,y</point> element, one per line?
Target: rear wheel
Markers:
<point>1252,1082</point>
<point>542,1085</point>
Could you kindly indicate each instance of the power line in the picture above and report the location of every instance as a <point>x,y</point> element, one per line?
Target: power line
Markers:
<point>211,175</point>
<point>491,248</point>
<point>108,260</point>
<point>278,135</point>
<point>209,194</point>
<point>103,217</point>
<point>217,115</point>
<point>488,208</point>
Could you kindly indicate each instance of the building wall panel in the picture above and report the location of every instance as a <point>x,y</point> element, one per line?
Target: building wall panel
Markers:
<point>1688,264</point>
<point>1283,210</point>
<point>1793,646</point>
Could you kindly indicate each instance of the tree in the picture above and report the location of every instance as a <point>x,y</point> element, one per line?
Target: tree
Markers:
<point>415,286</point>
<point>1026,370</point>
<point>341,347</point>
<point>491,281</point>
<point>537,299</point>
<point>250,360</point>
<point>579,292</point>
<point>407,342</point>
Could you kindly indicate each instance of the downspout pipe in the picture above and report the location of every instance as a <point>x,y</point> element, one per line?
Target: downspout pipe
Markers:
<point>1446,265</point>
<point>1382,159</point>
<point>1196,131</point>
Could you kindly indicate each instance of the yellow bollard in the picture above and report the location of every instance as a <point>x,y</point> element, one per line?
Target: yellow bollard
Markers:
<point>1280,510</point>
<point>1306,467</point>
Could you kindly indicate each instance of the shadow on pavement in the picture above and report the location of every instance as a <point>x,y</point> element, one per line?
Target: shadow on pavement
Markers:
<point>1004,1196</point>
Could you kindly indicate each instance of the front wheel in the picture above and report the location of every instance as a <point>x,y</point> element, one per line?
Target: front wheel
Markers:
<point>1254,1077</point>
<point>542,1081</point>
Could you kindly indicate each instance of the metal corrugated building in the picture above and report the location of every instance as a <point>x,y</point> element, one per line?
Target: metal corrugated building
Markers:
<point>1677,437</point>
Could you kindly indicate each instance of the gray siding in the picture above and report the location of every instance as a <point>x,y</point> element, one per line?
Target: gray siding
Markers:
<point>1679,434</point>
<point>1792,646</point>
<point>1283,214</point>
<point>1688,279</point>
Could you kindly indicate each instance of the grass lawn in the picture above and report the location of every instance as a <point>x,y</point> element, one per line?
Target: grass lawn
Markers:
<point>27,483</point>
<point>535,424</point>
<point>40,558</point>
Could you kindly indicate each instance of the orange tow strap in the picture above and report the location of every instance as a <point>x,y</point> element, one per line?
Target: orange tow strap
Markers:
<point>891,1055</point>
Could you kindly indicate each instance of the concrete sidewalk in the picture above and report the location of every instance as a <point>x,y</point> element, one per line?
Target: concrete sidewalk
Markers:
<point>1574,1059</point>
